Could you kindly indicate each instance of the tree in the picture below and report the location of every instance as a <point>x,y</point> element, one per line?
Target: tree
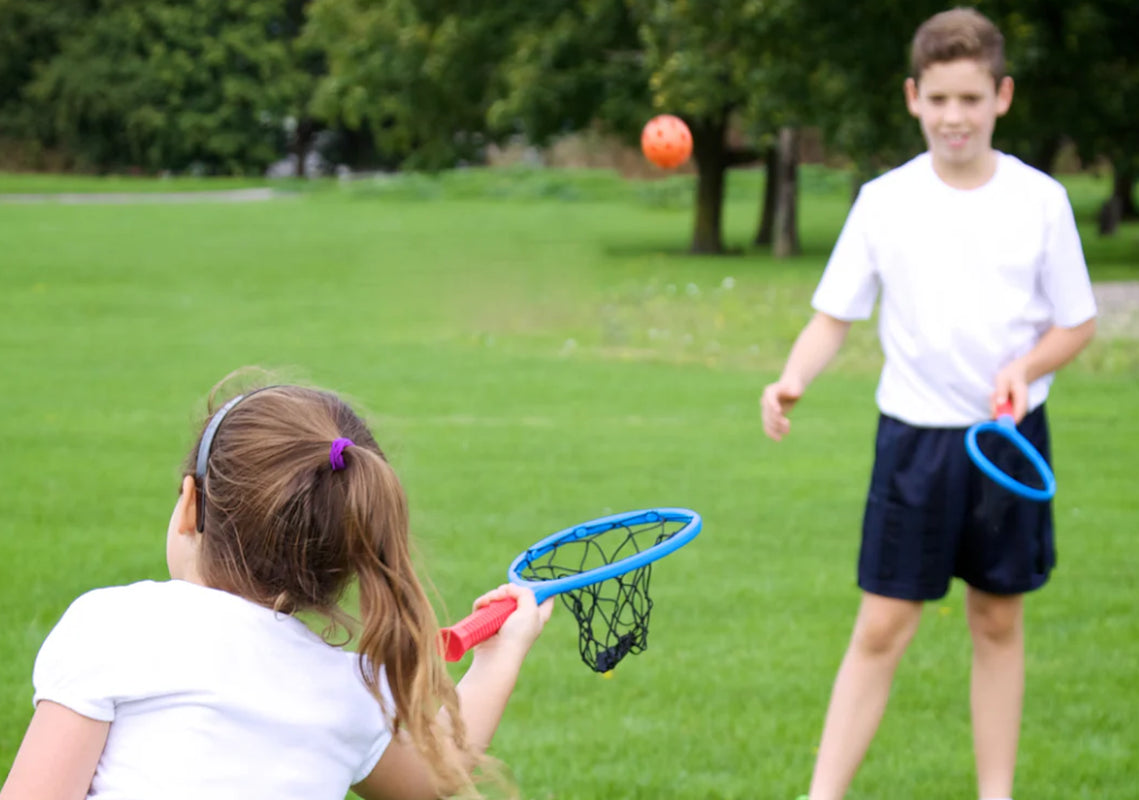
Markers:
<point>436,82</point>
<point>615,62</point>
<point>30,36</point>
<point>690,51</point>
<point>1113,87</point>
<point>862,57</point>
<point>309,66</point>
<point>163,84</point>
<point>1077,80</point>
<point>571,66</point>
<point>419,74</point>
<point>1047,54</point>
<point>778,74</point>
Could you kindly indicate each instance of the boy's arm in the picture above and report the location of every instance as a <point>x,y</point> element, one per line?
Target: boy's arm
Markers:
<point>816,346</point>
<point>1056,348</point>
<point>58,756</point>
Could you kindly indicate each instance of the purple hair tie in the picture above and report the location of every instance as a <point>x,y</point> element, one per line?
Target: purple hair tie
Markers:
<point>336,454</point>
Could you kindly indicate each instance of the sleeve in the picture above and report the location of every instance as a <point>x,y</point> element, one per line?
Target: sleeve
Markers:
<point>849,286</point>
<point>383,732</point>
<point>1064,275</point>
<point>71,668</point>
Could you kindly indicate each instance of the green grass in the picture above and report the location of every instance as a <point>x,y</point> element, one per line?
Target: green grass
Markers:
<point>535,349</point>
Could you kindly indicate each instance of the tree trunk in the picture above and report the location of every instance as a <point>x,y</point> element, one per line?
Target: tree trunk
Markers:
<point>763,233</point>
<point>711,163</point>
<point>1121,204</point>
<point>302,143</point>
<point>1042,153</point>
<point>1123,189</point>
<point>787,195</point>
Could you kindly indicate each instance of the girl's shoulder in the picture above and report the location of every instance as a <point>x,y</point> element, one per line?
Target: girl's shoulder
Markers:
<point>139,598</point>
<point>116,600</point>
<point>186,623</point>
<point>155,606</point>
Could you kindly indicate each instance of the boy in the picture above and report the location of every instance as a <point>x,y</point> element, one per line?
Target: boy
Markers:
<point>985,294</point>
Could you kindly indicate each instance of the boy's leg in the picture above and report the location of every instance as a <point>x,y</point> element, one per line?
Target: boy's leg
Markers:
<point>996,623</point>
<point>883,629</point>
<point>1008,549</point>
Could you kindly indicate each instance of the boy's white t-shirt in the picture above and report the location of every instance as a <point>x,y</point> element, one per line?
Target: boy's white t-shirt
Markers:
<point>969,280</point>
<point>210,696</point>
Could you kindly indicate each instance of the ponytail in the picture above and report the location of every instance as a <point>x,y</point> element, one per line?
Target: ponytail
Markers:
<point>298,499</point>
<point>398,628</point>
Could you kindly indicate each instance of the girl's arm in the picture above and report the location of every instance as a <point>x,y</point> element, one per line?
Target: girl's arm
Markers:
<point>813,350</point>
<point>58,756</point>
<point>402,773</point>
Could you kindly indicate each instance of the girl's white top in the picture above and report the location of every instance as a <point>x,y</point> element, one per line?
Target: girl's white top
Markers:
<point>968,281</point>
<point>210,696</point>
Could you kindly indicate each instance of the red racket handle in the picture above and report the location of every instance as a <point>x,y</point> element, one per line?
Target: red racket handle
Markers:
<point>479,626</point>
<point>1004,409</point>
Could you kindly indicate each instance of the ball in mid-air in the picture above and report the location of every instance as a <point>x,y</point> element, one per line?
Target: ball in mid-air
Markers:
<point>666,141</point>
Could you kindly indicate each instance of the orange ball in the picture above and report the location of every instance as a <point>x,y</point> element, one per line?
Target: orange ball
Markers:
<point>666,141</point>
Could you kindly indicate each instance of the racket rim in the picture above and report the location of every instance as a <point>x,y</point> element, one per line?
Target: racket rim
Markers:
<point>543,589</point>
<point>1005,427</point>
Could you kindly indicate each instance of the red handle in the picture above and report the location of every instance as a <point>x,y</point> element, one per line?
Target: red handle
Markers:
<point>1004,409</point>
<point>479,626</point>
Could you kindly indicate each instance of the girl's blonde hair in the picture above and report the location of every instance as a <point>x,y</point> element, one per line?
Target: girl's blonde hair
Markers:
<point>286,531</point>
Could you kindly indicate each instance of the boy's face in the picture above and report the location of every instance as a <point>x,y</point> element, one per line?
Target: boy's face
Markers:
<point>957,104</point>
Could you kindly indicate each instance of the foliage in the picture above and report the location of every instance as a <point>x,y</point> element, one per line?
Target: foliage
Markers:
<point>229,86</point>
<point>30,34</point>
<point>163,84</point>
<point>862,58</point>
<point>571,66</point>
<point>419,74</point>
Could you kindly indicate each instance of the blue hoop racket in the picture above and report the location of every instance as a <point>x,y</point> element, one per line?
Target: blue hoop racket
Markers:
<point>1005,427</point>
<point>601,568</point>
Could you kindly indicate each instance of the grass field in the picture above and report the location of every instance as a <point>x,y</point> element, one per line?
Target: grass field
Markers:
<point>535,349</point>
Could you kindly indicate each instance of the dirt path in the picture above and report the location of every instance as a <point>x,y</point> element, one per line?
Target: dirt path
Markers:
<point>126,198</point>
<point>1118,303</point>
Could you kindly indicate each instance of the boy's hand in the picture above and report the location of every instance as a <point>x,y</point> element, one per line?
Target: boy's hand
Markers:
<point>1011,386</point>
<point>776,403</point>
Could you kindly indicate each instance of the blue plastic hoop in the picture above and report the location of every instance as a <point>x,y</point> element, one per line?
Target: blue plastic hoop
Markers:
<point>543,589</point>
<point>1005,427</point>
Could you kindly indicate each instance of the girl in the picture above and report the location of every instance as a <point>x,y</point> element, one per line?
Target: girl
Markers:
<point>208,685</point>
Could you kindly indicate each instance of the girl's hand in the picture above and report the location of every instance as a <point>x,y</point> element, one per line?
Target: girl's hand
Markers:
<point>523,626</point>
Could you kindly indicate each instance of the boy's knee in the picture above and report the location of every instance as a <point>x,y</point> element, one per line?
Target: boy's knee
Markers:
<point>886,631</point>
<point>995,618</point>
<point>881,640</point>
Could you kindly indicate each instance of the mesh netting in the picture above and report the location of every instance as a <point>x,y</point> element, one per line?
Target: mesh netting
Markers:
<point>996,505</point>
<point>613,615</point>
<point>1008,459</point>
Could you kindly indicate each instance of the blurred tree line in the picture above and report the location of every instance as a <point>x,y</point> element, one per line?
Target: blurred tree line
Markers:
<point>232,86</point>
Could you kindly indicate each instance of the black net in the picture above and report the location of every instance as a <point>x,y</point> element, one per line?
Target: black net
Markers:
<point>1006,457</point>
<point>613,614</point>
<point>996,508</point>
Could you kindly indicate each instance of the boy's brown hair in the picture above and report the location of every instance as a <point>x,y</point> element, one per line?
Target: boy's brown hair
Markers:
<point>956,34</point>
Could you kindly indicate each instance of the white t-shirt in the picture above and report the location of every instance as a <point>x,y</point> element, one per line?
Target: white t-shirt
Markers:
<point>969,280</point>
<point>210,696</point>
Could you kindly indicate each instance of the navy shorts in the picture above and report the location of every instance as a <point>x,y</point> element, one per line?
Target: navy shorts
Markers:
<point>932,516</point>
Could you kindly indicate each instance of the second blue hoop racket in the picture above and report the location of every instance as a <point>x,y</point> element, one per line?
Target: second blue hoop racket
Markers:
<point>1005,427</point>
<point>601,567</point>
